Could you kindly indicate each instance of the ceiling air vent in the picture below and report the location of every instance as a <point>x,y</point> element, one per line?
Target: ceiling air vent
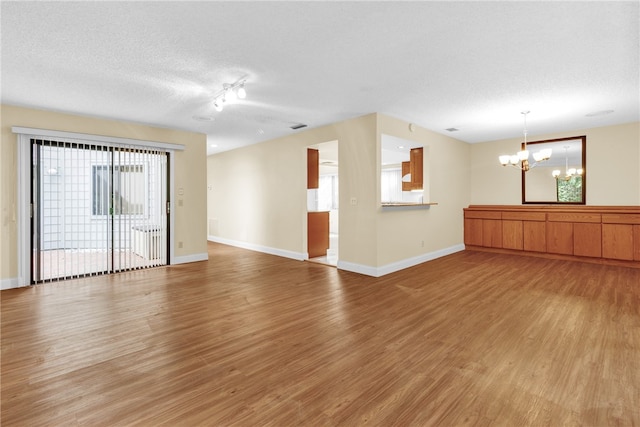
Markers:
<point>452,129</point>
<point>298,126</point>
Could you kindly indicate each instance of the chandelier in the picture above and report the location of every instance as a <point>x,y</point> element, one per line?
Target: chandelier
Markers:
<point>228,94</point>
<point>568,172</point>
<point>520,160</point>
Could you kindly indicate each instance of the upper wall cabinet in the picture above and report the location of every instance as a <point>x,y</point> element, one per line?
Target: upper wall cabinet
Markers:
<point>313,168</point>
<point>560,180</point>
<point>412,170</point>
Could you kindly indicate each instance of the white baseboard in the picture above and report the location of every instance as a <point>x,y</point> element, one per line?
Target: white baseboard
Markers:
<point>344,265</point>
<point>259,248</point>
<point>399,265</point>
<point>190,258</point>
<point>358,268</point>
<point>10,283</point>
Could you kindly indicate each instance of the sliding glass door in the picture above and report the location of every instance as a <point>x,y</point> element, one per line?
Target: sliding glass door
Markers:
<point>96,209</point>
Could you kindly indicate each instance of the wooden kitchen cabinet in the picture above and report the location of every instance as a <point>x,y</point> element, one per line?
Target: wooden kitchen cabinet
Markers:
<point>317,233</point>
<point>617,242</point>
<point>483,229</point>
<point>587,239</point>
<point>414,167</point>
<point>621,236</point>
<point>604,234</point>
<point>415,163</point>
<point>534,236</point>
<point>313,168</point>
<point>512,234</point>
<point>560,238</point>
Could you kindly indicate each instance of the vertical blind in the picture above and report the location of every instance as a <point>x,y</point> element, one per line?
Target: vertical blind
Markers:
<point>96,209</point>
<point>391,185</point>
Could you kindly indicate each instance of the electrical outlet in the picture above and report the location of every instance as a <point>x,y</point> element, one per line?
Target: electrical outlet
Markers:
<point>354,201</point>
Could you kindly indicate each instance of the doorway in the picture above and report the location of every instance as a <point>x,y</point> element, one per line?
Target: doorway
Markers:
<point>325,199</point>
<point>96,209</point>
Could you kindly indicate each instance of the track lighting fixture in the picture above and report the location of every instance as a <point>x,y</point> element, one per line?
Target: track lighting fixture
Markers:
<point>228,94</point>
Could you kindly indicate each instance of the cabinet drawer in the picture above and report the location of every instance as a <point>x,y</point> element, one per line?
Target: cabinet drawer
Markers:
<point>574,217</point>
<point>483,214</point>
<point>525,216</point>
<point>621,218</point>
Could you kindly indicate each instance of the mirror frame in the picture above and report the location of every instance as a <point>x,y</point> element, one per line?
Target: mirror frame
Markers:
<point>583,139</point>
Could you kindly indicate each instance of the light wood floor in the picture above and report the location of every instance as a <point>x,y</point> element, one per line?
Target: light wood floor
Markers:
<point>251,339</point>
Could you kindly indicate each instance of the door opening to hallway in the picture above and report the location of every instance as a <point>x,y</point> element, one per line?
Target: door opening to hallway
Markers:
<point>322,203</point>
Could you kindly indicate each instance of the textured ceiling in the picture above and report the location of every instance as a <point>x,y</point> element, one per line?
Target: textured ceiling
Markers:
<point>470,65</point>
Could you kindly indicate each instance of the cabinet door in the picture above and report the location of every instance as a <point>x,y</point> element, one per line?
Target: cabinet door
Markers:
<point>617,241</point>
<point>415,160</point>
<point>534,236</point>
<point>406,170</point>
<point>587,239</point>
<point>473,231</point>
<point>560,238</point>
<point>317,233</point>
<point>636,242</point>
<point>313,168</point>
<point>492,233</point>
<point>512,234</point>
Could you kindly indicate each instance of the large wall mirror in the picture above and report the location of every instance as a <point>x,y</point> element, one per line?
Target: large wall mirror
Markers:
<point>402,172</point>
<point>562,178</point>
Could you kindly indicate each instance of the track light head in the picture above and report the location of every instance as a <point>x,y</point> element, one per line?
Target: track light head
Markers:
<point>229,94</point>
<point>242,94</point>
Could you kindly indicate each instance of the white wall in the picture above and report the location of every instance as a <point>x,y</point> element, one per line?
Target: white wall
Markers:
<point>407,233</point>
<point>258,196</point>
<point>612,172</point>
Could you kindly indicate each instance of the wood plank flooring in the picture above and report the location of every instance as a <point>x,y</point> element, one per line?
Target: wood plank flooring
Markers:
<point>251,339</point>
